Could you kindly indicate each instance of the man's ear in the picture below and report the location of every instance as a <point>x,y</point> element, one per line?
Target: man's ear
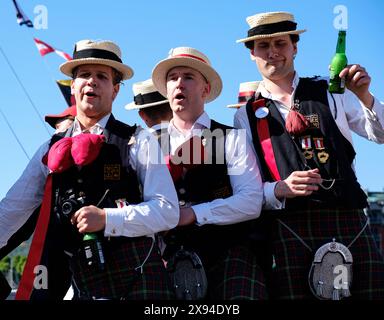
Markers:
<point>72,87</point>
<point>252,54</point>
<point>116,89</point>
<point>295,49</point>
<point>207,90</point>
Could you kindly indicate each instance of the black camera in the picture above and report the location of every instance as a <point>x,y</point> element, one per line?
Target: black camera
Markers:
<point>70,204</point>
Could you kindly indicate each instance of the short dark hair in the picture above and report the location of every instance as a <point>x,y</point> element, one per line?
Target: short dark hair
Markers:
<point>159,112</point>
<point>294,38</point>
<point>117,76</point>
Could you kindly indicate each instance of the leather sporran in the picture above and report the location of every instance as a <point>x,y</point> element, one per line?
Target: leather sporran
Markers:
<point>187,275</point>
<point>330,277</point>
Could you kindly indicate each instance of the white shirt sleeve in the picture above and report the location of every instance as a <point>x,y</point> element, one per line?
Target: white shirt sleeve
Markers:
<point>353,115</point>
<point>246,201</point>
<point>270,202</point>
<point>24,196</point>
<point>160,209</point>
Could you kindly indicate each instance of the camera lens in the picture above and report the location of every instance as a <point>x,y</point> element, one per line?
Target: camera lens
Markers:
<point>66,208</point>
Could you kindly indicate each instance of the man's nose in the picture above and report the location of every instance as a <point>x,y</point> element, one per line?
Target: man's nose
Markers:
<point>92,81</point>
<point>180,82</point>
<point>273,52</point>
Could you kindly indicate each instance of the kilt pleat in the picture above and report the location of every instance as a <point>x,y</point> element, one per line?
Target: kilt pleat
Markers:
<point>236,276</point>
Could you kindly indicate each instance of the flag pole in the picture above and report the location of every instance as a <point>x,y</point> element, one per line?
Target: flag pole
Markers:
<point>25,90</point>
<point>14,134</point>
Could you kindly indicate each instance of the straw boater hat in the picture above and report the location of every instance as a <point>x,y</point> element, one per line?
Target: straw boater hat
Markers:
<point>187,57</point>
<point>145,95</point>
<point>270,24</point>
<point>69,113</point>
<point>246,92</point>
<point>96,52</point>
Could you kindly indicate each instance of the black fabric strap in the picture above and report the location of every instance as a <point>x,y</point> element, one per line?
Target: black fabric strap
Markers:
<point>146,98</point>
<point>242,99</point>
<point>95,53</point>
<point>271,28</point>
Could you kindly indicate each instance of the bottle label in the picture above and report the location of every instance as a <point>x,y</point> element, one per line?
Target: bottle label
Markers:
<point>88,252</point>
<point>342,83</point>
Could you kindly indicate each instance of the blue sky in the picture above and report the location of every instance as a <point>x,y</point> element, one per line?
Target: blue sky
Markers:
<point>145,31</point>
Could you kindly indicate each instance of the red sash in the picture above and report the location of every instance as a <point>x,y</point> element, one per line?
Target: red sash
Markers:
<point>265,141</point>
<point>26,283</point>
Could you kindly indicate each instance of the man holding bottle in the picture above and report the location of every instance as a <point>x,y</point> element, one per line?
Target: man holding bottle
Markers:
<point>100,180</point>
<point>301,134</point>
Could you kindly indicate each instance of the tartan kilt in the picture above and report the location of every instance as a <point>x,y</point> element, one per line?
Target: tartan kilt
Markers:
<point>236,276</point>
<point>316,227</point>
<point>120,280</point>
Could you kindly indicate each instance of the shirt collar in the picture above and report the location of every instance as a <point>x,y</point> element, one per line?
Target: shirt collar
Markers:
<point>202,122</point>
<point>159,126</point>
<point>97,128</point>
<point>266,94</point>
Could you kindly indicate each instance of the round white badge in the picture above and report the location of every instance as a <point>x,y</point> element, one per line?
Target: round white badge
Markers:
<point>261,112</point>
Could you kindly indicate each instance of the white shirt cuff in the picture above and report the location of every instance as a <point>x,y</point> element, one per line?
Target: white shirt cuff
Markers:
<point>271,202</point>
<point>371,113</point>
<point>114,222</point>
<point>203,213</point>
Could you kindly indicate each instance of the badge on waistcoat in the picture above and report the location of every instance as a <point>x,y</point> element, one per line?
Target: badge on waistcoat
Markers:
<point>111,172</point>
<point>261,112</point>
<point>322,154</point>
<point>306,145</point>
<point>313,120</point>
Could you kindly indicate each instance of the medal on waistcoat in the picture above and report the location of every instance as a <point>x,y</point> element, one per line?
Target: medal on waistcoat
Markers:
<point>322,154</point>
<point>306,146</point>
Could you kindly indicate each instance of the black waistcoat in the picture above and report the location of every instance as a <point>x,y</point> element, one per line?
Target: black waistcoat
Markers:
<point>204,183</point>
<point>111,170</point>
<point>330,151</point>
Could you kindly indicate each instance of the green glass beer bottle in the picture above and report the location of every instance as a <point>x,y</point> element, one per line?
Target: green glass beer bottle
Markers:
<point>338,63</point>
<point>93,251</point>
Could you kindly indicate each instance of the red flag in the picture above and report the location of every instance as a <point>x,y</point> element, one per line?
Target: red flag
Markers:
<point>45,48</point>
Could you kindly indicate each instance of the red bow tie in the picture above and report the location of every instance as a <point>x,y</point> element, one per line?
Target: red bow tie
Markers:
<point>79,150</point>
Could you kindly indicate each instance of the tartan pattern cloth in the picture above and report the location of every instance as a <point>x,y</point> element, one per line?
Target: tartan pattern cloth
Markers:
<point>120,280</point>
<point>317,227</point>
<point>236,276</point>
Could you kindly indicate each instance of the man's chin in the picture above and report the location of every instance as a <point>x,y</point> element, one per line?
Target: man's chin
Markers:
<point>178,108</point>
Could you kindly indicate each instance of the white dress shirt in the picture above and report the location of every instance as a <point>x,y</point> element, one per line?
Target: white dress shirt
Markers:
<point>349,114</point>
<point>244,174</point>
<point>159,210</point>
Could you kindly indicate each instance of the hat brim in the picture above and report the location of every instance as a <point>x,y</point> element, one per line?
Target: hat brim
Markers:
<point>67,67</point>
<point>271,35</point>
<point>133,106</point>
<point>161,70</point>
<point>70,112</point>
<point>238,105</point>
<point>52,120</point>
